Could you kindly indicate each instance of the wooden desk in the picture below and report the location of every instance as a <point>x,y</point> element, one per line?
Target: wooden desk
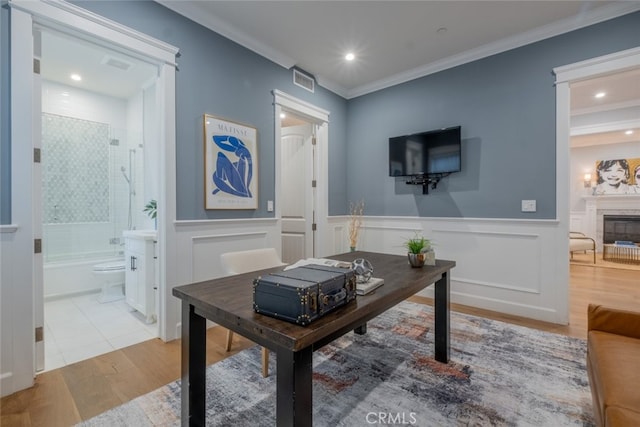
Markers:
<point>228,302</point>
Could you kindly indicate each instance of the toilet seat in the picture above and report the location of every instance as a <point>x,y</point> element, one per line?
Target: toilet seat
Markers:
<point>109,266</point>
<point>111,276</point>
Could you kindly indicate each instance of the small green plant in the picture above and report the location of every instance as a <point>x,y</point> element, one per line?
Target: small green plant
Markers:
<point>417,244</point>
<point>151,209</point>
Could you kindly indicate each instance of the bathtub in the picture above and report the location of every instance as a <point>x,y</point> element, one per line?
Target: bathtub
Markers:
<point>72,277</point>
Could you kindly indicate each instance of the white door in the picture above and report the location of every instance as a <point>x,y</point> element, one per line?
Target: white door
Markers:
<point>297,169</point>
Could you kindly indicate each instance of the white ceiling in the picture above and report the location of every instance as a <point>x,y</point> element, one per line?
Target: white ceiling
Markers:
<point>394,41</point>
<point>622,92</point>
<point>62,55</point>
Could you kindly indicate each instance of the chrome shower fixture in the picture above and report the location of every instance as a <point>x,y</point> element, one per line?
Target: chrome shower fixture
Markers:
<point>124,173</point>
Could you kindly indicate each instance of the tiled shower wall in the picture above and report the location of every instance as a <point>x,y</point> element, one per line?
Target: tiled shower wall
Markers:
<point>86,143</point>
<point>75,160</point>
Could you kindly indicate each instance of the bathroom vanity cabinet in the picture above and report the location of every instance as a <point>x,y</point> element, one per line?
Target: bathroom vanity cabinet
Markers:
<point>140,278</point>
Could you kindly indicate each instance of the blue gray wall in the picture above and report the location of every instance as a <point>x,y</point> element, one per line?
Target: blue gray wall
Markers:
<point>504,103</point>
<point>506,107</point>
<point>219,77</point>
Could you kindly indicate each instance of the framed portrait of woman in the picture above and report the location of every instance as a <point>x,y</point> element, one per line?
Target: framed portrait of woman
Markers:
<point>617,176</point>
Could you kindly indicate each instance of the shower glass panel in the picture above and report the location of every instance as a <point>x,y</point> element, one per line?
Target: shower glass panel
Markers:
<point>85,193</point>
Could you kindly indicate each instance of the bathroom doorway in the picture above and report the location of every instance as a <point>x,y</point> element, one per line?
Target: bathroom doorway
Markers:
<point>99,171</point>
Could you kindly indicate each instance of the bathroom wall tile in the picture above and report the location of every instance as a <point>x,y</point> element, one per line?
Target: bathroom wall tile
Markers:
<point>76,170</point>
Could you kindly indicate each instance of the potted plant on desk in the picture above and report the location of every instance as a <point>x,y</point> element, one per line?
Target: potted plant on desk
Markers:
<point>420,251</point>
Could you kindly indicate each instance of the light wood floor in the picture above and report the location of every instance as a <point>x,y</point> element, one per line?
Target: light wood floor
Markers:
<point>80,391</point>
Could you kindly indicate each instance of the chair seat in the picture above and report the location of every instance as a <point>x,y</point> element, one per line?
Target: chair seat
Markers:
<point>250,260</point>
<point>580,242</point>
<point>580,245</point>
<point>244,262</point>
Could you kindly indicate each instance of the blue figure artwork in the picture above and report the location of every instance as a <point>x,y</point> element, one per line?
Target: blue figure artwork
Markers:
<point>233,177</point>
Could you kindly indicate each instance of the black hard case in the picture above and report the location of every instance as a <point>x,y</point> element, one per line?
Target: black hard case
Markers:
<point>303,294</point>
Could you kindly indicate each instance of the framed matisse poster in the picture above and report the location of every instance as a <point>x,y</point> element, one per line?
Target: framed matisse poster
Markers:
<point>230,164</point>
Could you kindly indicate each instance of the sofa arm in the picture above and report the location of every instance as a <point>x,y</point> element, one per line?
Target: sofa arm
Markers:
<point>620,322</point>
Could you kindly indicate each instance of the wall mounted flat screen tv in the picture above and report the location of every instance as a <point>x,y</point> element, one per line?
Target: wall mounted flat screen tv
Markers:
<point>432,152</point>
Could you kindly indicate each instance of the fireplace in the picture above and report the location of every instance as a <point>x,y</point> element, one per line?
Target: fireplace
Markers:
<point>621,227</point>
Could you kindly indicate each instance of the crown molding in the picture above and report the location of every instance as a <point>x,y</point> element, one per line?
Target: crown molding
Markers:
<point>608,107</point>
<point>523,39</point>
<point>605,127</point>
<point>193,11</point>
<point>197,12</point>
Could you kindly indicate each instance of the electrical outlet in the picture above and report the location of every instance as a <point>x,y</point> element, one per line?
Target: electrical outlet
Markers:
<point>528,206</point>
<point>269,205</point>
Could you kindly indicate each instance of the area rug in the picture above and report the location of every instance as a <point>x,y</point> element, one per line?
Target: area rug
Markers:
<point>499,375</point>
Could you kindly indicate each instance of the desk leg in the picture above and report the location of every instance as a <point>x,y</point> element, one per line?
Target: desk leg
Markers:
<point>294,388</point>
<point>194,349</point>
<point>441,309</point>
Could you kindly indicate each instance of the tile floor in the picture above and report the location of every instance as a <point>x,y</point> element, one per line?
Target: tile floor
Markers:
<point>80,327</point>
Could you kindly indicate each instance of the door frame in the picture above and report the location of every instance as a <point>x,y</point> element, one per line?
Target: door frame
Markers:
<point>25,209</point>
<point>319,118</point>
<point>565,76</point>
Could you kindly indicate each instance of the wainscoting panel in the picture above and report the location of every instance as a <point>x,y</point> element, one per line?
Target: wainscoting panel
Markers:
<point>292,247</point>
<point>478,250</point>
<point>200,243</point>
<point>208,248</point>
<point>198,246</point>
<point>336,236</point>
<point>510,266</point>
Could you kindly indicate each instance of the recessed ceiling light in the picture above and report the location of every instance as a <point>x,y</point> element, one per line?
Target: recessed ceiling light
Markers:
<point>350,56</point>
<point>283,115</point>
<point>629,132</point>
<point>600,95</point>
<point>65,94</point>
<point>76,77</point>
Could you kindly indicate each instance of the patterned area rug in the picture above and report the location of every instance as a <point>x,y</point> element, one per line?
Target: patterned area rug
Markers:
<point>499,375</point>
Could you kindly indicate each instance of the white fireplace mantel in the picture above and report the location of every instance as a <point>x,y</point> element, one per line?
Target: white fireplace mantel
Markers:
<point>598,206</point>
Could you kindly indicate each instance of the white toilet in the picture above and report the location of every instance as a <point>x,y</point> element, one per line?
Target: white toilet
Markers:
<point>111,279</point>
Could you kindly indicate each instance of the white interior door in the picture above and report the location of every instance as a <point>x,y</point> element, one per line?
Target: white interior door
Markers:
<point>297,169</point>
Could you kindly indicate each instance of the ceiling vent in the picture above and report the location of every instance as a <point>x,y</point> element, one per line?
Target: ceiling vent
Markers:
<point>118,63</point>
<point>305,81</point>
